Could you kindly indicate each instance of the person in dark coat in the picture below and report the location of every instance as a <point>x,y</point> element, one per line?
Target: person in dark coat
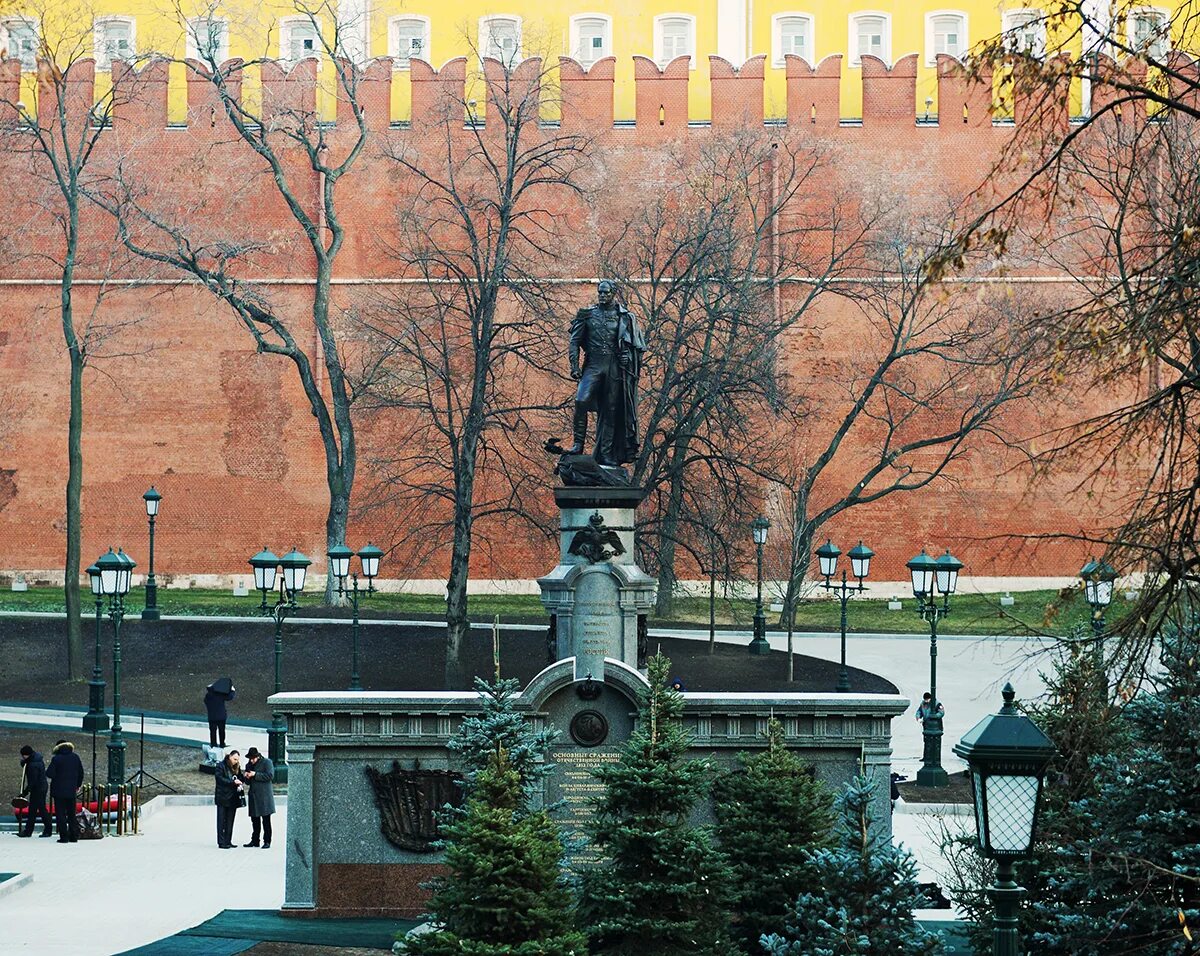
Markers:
<point>228,797</point>
<point>259,774</point>
<point>33,769</point>
<point>66,777</point>
<point>216,696</point>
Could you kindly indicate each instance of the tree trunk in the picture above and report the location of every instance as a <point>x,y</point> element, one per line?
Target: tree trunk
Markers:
<point>458,625</point>
<point>335,523</point>
<point>77,360</point>
<point>74,519</point>
<point>664,604</point>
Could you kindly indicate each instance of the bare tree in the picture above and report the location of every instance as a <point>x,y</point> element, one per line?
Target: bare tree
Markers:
<point>300,155</point>
<point>1108,203</point>
<point>467,346</point>
<point>749,211</point>
<point>57,143</point>
<point>932,373</point>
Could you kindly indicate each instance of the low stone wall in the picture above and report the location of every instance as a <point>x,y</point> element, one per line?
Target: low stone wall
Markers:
<point>340,863</point>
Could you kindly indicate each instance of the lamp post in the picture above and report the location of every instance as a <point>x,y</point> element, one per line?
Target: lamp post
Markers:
<point>929,579</point>
<point>759,645</point>
<point>267,566</point>
<point>339,566</point>
<point>860,563</point>
<point>116,572</point>
<point>96,720</point>
<point>150,612</point>
<point>1007,754</point>
<point>1098,578</point>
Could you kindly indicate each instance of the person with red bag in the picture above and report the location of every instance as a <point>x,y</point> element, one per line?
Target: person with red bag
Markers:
<point>33,773</point>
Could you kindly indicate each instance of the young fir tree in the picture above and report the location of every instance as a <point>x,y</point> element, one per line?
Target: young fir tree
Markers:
<point>1130,883</point>
<point>662,887</point>
<point>863,897</point>
<point>506,893</point>
<point>770,813</point>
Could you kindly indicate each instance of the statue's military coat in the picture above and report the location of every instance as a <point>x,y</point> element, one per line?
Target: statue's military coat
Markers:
<point>612,345</point>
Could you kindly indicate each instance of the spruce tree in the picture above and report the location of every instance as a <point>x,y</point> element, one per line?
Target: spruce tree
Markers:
<point>505,894</point>
<point>770,813</point>
<point>500,726</point>
<point>661,887</point>
<point>1130,882</point>
<point>863,896</point>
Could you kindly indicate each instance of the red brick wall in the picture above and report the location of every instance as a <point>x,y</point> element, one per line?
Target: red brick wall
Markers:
<point>182,400</point>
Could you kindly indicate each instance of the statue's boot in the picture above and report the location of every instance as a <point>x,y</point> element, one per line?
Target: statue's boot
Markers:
<point>604,447</point>
<point>579,427</point>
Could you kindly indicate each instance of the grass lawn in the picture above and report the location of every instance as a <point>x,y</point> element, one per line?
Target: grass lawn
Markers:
<point>1048,612</point>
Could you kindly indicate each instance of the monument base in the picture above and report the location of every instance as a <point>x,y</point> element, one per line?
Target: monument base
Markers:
<point>597,596</point>
<point>340,858</point>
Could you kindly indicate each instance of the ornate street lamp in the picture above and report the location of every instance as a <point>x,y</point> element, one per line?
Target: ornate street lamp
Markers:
<point>115,572</point>
<point>759,645</point>
<point>930,578</point>
<point>1098,578</point>
<point>267,566</point>
<point>1007,755</point>
<point>150,612</point>
<point>96,720</point>
<point>860,563</point>
<point>339,567</point>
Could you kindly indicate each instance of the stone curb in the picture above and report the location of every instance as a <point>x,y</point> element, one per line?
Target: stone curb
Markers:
<point>14,883</point>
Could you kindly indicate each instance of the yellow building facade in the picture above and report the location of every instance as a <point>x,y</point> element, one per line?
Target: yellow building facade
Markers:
<point>438,30</point>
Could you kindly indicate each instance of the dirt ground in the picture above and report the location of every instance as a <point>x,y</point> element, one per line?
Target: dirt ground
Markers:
<point>167,664</point>
<point>175,766</point>
<point>959,791</point>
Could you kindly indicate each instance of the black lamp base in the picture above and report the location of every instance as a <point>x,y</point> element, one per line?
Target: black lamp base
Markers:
<point>932,777</point>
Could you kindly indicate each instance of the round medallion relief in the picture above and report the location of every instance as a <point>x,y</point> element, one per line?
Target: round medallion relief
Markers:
<point>589,728</point>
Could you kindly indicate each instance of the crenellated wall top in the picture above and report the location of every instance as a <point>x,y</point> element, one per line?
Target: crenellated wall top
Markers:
<point>585,94</point>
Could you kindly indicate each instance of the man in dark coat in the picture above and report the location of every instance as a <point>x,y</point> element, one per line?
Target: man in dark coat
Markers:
<point>66,777</point>
<point>33,769</point>
<point>259,774</point>
<point>228,797</point>
<point>216,696</point>
<point>612,344</point>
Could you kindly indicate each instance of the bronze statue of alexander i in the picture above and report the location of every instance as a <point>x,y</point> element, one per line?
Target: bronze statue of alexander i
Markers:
<point>612,345</point>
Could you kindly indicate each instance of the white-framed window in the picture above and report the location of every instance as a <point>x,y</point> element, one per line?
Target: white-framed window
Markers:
<point>591,37</point>
<point>19,40</point>
<point>114,38</point>
<point>945,32</point>
<point>408,37</point>
<point>675,35</point>
<point>298,38</point>
<point>870,35</point>
<point>1025,31</point>
<point>500,38</point>
<point>792,33</point>
<point>208,39</point>
<point>1150,31</point>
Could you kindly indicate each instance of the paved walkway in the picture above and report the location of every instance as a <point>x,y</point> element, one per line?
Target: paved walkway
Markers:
<point>161,728</point>
<point>96,898</point>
